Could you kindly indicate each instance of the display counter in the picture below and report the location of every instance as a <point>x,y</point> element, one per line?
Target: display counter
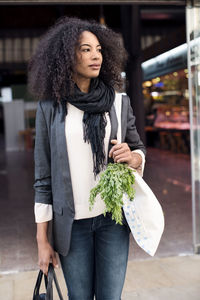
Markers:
<point>166,105</point>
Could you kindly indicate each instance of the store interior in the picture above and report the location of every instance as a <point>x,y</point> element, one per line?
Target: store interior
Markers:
<point>166,102</point>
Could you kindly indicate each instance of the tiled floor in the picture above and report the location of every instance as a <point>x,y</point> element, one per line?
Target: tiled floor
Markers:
<point>17,228</point>
<point>168,175</point>
<point>169,280</point>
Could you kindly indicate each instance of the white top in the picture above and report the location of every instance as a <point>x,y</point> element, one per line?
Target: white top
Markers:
<point>81,164</point>
<point>81,168</point>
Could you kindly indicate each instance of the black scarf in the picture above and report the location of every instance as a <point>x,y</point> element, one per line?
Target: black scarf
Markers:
<point>95,103</point>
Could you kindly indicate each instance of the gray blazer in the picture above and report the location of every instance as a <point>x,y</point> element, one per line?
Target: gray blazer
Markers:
<point>52,173</point>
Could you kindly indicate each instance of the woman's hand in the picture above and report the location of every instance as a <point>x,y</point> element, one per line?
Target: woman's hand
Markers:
<point>122,153</point>
<point>46,254</point>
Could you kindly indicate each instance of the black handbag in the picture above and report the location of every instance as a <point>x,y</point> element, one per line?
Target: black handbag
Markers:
<point>51,276</point>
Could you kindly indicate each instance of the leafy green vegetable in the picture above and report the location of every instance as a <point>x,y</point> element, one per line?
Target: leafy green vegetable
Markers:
<point>116,180</point>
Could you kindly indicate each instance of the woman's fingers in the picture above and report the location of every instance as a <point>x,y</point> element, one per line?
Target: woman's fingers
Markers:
<point>114,142</point>
<point>54,260</point>
<point>46,255</point>
<point>45,267</point>
<point>120,152</point>
<point>124,157</point>
<point>118,147</point>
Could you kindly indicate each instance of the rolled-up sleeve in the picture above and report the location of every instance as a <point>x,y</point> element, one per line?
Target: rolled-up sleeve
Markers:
<point>143,160</point>
<point>42,157</point>
<point>43,212</point>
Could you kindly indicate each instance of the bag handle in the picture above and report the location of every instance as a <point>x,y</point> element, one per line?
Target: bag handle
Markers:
<point>48,284</point>
<point>118,109</point>
<point>50,278</point>
<point>38,284</point>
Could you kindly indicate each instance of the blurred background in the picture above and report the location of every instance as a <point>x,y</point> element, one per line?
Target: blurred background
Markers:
<point>162,79</point>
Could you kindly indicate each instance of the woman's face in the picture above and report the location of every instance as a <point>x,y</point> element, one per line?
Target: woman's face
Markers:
<point>88,56</point>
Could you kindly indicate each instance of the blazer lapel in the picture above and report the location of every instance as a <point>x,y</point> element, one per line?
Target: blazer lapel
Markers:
<point>124,116</point>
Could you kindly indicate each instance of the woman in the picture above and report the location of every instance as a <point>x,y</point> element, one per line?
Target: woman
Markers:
<point>75,72</point>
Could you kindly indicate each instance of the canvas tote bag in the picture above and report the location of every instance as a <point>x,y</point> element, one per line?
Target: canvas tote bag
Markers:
<point>144,214</point>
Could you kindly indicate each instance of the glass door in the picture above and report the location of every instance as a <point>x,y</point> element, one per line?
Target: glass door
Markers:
<point>193,39</point>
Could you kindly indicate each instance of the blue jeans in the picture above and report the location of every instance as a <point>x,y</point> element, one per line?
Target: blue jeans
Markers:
<point>97,260</point>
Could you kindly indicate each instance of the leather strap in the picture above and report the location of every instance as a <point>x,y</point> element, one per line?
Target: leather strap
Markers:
<point>51,277</point>
<point>48,284</point>
<point>38,284</point>
<point>118,109</point>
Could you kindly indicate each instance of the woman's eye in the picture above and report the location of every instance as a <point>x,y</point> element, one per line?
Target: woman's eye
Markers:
<point>86,50</point>
<point>100,50</point>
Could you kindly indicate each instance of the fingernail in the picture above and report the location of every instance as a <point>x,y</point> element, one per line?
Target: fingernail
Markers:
<point>56,266</point>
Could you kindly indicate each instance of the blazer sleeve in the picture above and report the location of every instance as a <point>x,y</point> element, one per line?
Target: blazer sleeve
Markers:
<point>42,157</point>
<point>132,137</point>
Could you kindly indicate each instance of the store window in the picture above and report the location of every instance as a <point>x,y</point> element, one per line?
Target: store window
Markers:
<point>193,38</point>
<point>166,102</point>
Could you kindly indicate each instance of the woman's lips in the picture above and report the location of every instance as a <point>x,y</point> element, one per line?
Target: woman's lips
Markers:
<point>95,67</point>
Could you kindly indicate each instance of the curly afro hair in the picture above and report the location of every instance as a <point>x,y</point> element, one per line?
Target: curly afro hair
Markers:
<point>50,67</point>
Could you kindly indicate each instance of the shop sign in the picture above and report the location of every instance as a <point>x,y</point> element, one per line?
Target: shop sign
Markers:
<point>172,60</point>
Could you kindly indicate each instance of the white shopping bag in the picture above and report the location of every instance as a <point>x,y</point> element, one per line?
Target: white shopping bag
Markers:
<point>144,214</point>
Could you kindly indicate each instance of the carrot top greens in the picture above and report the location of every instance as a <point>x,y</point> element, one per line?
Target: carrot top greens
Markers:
<point>116,180</point>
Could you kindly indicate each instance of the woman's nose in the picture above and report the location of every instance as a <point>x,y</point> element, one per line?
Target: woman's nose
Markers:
<point>96,54</point>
